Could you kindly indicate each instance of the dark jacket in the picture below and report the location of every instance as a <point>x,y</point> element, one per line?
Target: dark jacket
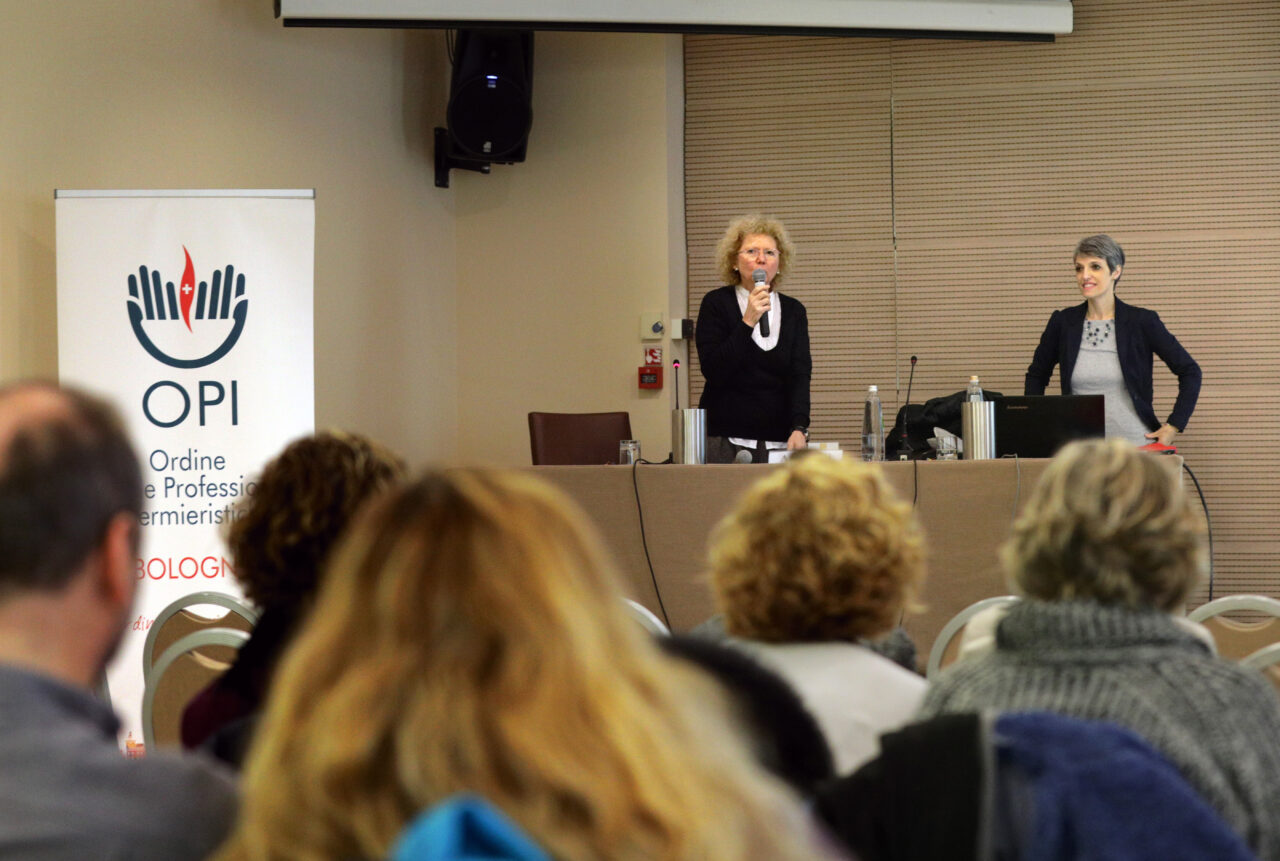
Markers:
<point>1139,336</point>
<point>752,393</point>
<point>1026,784</point>
<point>234,699</point>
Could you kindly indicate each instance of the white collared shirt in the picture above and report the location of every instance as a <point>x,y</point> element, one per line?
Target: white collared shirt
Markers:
<point>775,318</point>
<point>766,344</point>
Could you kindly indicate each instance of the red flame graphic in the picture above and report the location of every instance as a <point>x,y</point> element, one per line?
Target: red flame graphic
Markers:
<point>188,289</point>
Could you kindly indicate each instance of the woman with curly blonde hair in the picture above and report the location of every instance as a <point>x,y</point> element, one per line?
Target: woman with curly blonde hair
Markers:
<point>753,347</point>
<point>1107,548</point>
<point>280,538</point>
<point>818,558</point>
<point>470,638</point>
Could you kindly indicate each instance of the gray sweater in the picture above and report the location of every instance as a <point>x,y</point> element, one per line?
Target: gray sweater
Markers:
<point>1217,722</point>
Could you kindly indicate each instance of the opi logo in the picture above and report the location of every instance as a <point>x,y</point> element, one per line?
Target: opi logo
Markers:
<point>189,325</point>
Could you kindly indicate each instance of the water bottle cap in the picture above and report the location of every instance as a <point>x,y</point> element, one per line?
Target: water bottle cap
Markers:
<point>873,388</point>
<point>973,378</point>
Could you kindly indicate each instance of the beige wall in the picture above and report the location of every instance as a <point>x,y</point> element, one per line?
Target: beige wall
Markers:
<point>558,257</point>
<point>194,95</point>
<point>442,316</point>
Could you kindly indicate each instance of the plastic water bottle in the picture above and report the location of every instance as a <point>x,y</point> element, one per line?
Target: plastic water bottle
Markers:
<point>872,426</point>
<point>973,393</point>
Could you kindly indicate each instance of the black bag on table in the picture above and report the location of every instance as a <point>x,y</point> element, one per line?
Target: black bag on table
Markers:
<point>921,419</point>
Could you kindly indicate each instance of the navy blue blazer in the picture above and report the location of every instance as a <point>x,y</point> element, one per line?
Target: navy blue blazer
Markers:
<point>1139,336</point>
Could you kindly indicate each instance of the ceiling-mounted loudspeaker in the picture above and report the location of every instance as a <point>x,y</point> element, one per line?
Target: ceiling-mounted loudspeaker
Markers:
<point>490,108</point>
<point>491,94</point>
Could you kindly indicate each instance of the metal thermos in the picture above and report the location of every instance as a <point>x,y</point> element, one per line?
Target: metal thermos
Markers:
<point>689,436</point>
<point>978,429</point>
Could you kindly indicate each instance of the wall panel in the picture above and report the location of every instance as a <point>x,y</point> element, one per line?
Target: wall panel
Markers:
<point>799,128</point>
<point>981,165</point>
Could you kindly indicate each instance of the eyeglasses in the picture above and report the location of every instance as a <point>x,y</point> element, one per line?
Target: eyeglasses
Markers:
<point>769,253</point>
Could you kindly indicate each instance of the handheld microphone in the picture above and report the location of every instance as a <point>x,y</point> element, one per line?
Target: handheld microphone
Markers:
<point>904,452</point>
<point>743,456</point>
<point>760,277</point>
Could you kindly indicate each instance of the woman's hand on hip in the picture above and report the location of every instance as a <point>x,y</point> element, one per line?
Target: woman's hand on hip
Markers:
<point>1164,434</point>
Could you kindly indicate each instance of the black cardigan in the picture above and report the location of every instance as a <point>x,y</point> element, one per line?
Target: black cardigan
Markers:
<point>752,393</point>
<point>1139,335</point>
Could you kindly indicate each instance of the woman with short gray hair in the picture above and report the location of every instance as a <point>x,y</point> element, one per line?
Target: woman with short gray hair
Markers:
<point>1105,346</point>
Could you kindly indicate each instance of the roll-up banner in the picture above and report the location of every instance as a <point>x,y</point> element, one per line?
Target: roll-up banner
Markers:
<point>192,312</point>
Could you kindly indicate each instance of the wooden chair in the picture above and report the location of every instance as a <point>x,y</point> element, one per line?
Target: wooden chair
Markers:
<point>577,438</point>
<point>1236,637</point>
<point>176,621</point>
<point>181,672</point>
<point>946,648</point>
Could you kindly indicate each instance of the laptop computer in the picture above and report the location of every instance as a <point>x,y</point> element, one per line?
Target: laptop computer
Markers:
<point>1039,425</point>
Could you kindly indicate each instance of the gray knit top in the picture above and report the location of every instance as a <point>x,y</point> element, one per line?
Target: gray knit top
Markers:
<point>1217,722</point>
<point>1097,372</point>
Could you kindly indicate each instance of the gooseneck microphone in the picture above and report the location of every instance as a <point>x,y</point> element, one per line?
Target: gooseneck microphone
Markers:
<point>760,277</point>
<point>906,446</point>
<point>910,379</point>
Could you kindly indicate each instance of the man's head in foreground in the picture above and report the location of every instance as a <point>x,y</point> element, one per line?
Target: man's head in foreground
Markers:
<point>70,495</point>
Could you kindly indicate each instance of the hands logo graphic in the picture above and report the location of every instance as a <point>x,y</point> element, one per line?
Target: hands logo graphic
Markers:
<point>161,305</point>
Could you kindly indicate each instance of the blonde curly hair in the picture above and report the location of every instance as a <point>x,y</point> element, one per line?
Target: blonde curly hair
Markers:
<point>1111,524</point>
<point>748,225</point>
<point>818,550</point>
<point>470,638</point>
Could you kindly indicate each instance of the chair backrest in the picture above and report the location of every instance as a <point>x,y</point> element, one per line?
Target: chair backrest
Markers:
<point>175,621</point>
<point>1267,661</point>
<point>947,646</point>
<point>577,438</point>
<point>185,622</point>
<point>1237,638</point>
<point>177,676</point>
<point>647,618</point>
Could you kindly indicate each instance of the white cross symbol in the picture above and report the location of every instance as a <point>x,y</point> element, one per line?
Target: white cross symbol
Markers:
<point>186,288</point>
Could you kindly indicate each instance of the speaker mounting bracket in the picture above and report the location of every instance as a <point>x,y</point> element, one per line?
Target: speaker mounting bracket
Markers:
<point>447,159</point>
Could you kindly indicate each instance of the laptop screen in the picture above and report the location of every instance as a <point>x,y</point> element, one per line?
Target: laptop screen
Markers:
<point>1039,425</point>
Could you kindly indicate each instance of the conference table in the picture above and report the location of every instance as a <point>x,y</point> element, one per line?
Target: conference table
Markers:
<point>656,519</point>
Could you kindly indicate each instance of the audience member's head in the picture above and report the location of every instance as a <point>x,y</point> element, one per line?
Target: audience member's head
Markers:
<point>469,638</point>
<point>70,495</point>
<point>66,469</point>
<point>304,500</point>
<point>1110,524</point>
<point>818,550</point>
